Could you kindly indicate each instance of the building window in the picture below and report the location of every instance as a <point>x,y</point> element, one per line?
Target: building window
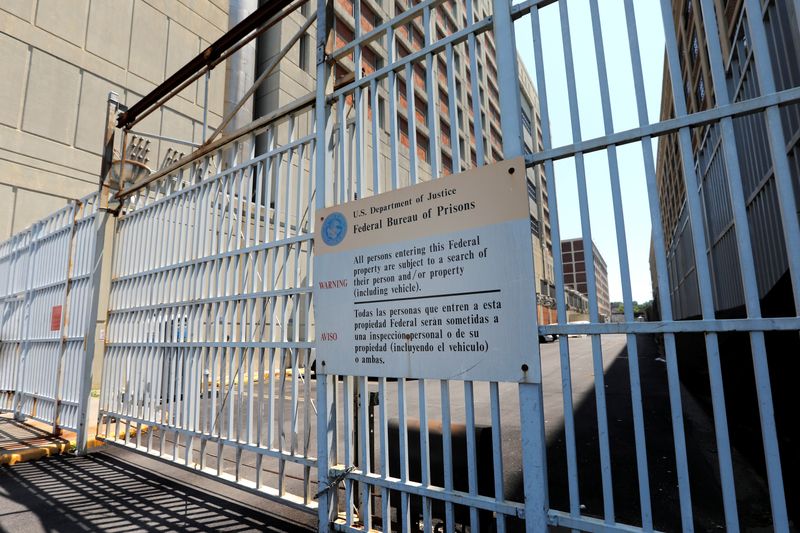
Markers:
<point>531,191</point>
<point>303,51</point>
<point>701,91</point>
<point>526,122</point>
<point>695,47</point>
<point>535,227</point>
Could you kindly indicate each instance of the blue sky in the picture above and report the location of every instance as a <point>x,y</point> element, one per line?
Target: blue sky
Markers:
<point>623,103</point>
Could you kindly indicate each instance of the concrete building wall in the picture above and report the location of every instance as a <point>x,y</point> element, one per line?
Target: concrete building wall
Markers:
<point>60,59</point>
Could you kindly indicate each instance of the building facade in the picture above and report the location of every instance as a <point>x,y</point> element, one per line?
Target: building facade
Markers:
<point>296,75</point>
<point>60,61</point>
<point>575,275</point>
<point>763,209</point>
<point>755,162</point>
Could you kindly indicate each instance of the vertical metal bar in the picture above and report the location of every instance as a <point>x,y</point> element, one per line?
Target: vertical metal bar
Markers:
<point>342,175</point>
<point>566,379</point>
<point>393,131</point>
<point>376,138</point>
<point>791,229</point>
<point>447,453</point>
<point>412,124</point>
<point>383,435</point>
<point>365,507</point>
<point>472,451</point>
<point>432,92</point>
<point>702,270</point>
<point>508,78</point>
<point>452,107</point>
<point>475,91</point>
<point>358,105</point>
<point>326,393</point>
<point>101,272</point>
<point>497,452</point>
<point>588,247</point>
<point>424,455</point>
<point>402,437</point>
<point>622,250</point>
<point>349,459</point>
<point>534,462</point>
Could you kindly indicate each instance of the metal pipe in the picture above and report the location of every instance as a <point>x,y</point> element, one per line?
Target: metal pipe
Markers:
<point>240,69</point>
<point>296,105</point>
<point>261,19</point>
<point>231,114</point>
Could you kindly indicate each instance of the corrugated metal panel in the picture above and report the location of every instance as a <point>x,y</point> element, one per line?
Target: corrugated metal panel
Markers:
<point>765,230</point>
<point>683,278</point>
<point>728,291</point>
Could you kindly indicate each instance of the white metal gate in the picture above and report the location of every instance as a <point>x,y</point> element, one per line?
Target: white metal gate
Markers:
<point>208,350</point>
<point>210,346</point>
<point>45,272</point>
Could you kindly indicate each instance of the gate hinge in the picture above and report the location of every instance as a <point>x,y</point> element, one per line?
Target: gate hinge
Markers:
<point>338,476</point>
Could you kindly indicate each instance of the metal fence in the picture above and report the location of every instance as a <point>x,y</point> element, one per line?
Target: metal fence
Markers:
<point>209,348</point>
<point>46,294</point>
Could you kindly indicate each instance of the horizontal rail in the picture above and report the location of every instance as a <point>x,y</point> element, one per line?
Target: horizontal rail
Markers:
<point>211,473</point>
<point>215,257</point>
<point>213,299</point>
<point>746,107</point>
<point>585,523</point>
<point>680,326</point>
<point>437,493</point>
<point>215,344</point>
<point>274,453</point>
<point>296,105</point>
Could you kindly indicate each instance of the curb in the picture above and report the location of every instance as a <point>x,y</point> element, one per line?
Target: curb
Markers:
<point>31,454</point>
<point>8,458</point>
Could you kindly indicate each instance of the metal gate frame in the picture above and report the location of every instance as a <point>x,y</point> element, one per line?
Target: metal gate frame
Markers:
<point>215,186</point>
<point>357,473</point>
<point>47,266</point>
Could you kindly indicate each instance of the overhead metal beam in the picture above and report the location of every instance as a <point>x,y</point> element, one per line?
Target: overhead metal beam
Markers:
<point>207,58</point>
<point>270,67</point>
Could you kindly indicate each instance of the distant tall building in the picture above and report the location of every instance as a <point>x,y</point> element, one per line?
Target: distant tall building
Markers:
<point>575,277</point>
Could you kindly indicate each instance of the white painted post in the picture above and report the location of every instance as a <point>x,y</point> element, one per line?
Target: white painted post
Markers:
<point>94,341</point>
<point>530,394</point>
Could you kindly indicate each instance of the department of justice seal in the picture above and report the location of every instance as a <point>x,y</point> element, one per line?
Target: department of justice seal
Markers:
<point>334,229</point>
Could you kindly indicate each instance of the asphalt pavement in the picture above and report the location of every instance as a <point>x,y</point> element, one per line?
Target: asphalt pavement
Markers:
<point>121,489</point>
<point>118,490</point>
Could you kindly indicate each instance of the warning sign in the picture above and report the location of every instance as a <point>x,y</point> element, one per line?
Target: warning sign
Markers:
<point>430,281</point>
<point>55,318</point>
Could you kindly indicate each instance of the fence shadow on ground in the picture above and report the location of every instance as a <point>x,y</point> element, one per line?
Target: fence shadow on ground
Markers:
<point>101,492</point>
<point>752,496</point>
